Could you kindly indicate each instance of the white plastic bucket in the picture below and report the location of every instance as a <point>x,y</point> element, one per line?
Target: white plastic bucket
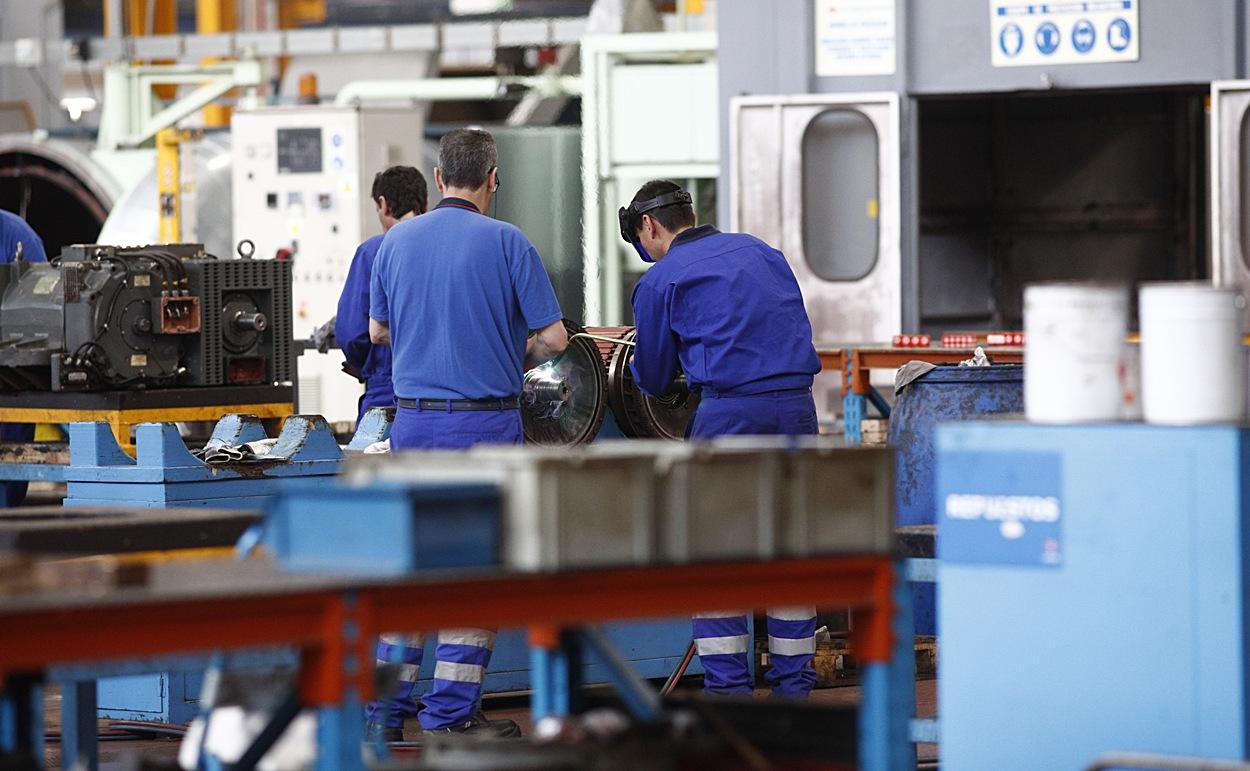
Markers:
<point>1192,364</point>
<point>1074,357</point>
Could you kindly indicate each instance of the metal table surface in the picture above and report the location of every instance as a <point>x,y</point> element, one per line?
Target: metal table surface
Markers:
<point>119,529</point>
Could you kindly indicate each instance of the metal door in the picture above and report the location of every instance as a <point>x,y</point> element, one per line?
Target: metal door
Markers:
<point>818,177</point>
<point>1230,183</point>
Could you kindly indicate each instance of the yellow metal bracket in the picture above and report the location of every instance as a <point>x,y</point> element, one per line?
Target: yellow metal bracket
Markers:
<point>169,182</point>
<point>123,421</point>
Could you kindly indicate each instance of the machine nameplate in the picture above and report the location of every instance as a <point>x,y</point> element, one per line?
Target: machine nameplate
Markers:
<point>1001,508</point>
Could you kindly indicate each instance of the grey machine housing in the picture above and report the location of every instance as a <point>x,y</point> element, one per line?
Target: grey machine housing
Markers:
<point>111,318</point>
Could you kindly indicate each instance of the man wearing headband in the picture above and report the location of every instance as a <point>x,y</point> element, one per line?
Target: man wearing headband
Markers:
<point>725,309</point>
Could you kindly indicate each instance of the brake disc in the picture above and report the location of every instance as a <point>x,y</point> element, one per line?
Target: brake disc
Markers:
<point>639,415</point>
<point>563,401</point>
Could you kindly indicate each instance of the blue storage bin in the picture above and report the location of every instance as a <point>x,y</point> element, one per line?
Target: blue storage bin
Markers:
<point>387,530</point>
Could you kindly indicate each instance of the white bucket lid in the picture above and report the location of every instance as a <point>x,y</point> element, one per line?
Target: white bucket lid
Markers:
<point>1075,294</point>
<point>1190,295</point>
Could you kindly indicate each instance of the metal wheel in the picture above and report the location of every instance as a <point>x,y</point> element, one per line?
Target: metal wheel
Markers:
<point>642,416</point>
<point>564,400</point>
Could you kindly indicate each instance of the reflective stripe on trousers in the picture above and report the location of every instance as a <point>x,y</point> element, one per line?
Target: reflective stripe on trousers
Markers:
<point>462,657</point>
<point>723,643</point>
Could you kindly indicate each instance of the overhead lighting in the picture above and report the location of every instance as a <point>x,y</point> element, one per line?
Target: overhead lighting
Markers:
<point>479,7</point>
<point>76,106</point>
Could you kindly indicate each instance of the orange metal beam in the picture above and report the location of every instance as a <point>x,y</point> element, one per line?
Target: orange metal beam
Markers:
<point>864,360</point>
<point>318,620</point>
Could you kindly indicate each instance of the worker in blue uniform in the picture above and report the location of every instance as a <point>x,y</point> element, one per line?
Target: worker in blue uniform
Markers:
<point>15,234</point>
<point>464,303</point>
<point>726,309</point>
<point>399,193</point>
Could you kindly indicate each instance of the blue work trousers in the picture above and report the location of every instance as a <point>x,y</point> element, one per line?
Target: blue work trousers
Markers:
<point>462,654</point>
<point>378,393</point>
<point>721,638</point>
<point>776,413</point>
<point>429,430</point>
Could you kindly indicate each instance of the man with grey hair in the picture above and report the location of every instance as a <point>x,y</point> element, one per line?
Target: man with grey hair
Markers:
<point>457,294</point>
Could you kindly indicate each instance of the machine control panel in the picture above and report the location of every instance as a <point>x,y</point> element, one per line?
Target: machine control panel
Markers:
<point>302,178</point>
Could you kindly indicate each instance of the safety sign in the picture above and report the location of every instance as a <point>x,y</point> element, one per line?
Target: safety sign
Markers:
<point>1031,34</point>
<point>855,37</point>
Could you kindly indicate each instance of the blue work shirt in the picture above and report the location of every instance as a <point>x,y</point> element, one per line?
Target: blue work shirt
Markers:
<point>726,307</point>
<point>14,229</point>
<point>460,292</point>
<point>351,325</point>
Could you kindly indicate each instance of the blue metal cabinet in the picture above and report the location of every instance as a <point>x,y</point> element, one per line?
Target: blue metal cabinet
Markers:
<point>1093,592</point>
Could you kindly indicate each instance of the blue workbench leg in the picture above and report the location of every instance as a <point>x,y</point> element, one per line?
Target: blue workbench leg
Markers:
<point>879,402</point>
<point>854,410</point>
<point>78,726</point>
<point>21,721</point>
<point>642,701</point>
<point>555,672</point>
<point>889,695</point>
<point>340,735</point>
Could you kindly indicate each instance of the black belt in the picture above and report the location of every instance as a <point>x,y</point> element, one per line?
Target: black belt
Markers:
<point>458,405</point>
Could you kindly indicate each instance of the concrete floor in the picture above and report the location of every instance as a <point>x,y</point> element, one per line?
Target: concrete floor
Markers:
<point>119,755</point>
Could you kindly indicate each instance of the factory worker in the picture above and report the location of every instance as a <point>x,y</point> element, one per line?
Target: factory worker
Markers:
<point>399,193</point>
<point>456,295</point>
<point>15,234</point>
<point>726,309</point>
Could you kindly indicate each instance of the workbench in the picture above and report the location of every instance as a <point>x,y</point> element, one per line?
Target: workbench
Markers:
<point>856,363</point>
<point>184,606</point>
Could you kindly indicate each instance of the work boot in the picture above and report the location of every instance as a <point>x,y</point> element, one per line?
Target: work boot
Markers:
<point>480,725</point>
<point>389,734</point>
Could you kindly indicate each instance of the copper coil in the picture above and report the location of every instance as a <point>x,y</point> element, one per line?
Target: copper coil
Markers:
<point>606,349</point>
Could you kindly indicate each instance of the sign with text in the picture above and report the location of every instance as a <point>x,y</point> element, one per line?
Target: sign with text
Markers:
<point>855,37</point>
<point>1000,508</point>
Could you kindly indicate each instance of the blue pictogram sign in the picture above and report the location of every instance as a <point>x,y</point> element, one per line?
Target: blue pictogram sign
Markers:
<point>1119,35</point>
<point>1048,38</point>
<point>1084,36</point>
<point>1011,39</point>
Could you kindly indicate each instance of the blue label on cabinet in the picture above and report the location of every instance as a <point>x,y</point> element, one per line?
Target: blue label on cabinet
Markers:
<point>1001,508</point>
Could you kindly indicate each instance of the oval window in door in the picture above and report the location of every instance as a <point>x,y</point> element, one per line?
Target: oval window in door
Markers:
<point>841,184</point>
<point>1243,191</point>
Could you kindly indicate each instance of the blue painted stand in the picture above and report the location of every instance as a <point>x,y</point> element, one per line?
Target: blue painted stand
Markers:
<point>1048,625</point>
<point>164,473</point>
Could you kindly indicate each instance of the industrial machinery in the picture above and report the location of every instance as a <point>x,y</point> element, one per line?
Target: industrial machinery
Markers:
<point>564,402</point>
<point>109,318</point>
<point>918,185</point>
<point>301,184</point>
